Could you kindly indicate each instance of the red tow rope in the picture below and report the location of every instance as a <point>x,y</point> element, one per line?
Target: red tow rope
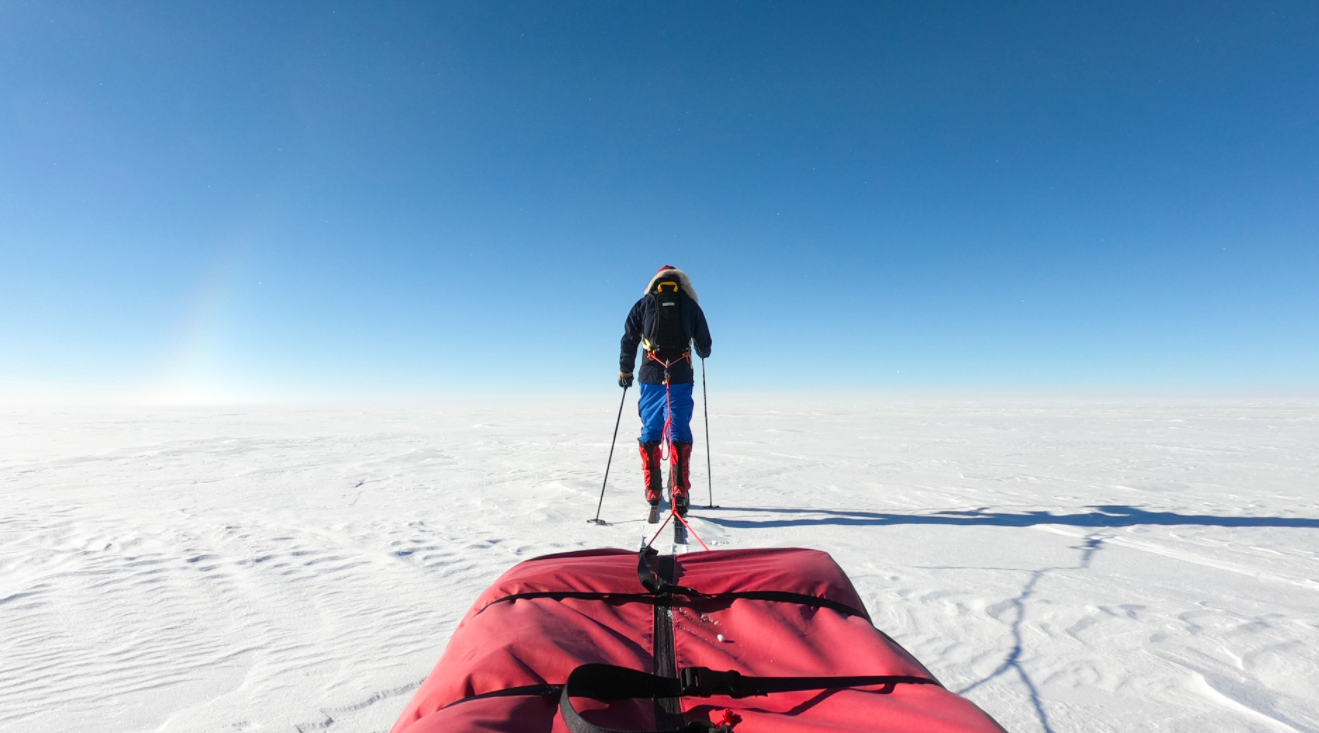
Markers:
<point>672,514</point>
<point>666,442</point>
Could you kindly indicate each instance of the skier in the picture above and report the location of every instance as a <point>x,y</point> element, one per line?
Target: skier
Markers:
<point>665,323</point>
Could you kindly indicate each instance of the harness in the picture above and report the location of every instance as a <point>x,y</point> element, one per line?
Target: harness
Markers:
<point>666,442</point>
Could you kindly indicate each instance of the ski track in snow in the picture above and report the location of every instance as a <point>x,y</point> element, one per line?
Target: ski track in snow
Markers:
<point>1068,565</point>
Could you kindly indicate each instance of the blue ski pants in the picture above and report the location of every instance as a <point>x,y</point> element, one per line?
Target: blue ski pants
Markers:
<point>653,407</point>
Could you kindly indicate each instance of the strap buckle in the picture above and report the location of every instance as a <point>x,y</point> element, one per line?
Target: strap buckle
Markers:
<point>706,682</point>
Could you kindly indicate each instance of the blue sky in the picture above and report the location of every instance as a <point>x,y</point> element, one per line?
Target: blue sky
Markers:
<point>309,200</point>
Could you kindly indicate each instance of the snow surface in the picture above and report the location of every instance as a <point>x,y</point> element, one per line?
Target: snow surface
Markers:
<point>1135,565</point>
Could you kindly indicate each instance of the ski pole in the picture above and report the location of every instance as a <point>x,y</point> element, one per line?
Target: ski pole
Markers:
<point>705,406</point>
<point>611,459</point>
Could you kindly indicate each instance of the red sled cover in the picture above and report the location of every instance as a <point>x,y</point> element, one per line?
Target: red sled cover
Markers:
<point>740,641</point>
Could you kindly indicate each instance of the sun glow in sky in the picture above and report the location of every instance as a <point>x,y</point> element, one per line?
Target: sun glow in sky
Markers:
<point>325,200</point>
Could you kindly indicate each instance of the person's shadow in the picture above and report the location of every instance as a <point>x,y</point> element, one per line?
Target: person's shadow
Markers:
<point>1108,515</point>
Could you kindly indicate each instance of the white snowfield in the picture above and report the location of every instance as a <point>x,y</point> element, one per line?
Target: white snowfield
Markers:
<point>1112,565</point>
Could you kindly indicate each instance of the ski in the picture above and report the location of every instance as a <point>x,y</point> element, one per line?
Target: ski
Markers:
<point>654,514</point>
<point>679,533</point>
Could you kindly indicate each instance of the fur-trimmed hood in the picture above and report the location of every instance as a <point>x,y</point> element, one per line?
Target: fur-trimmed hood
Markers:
<point>674,273</point>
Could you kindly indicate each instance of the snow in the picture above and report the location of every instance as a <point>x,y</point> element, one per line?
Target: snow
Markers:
<point>1096,565</point>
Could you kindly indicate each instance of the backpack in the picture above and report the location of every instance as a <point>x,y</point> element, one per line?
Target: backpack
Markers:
<point>740,641</point>
<point>666,338</point>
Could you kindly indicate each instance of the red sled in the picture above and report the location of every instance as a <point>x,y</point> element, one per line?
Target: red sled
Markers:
<point>733,641</point>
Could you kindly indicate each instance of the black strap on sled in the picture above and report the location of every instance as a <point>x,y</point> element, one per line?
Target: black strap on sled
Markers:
<point>657,588</point>
<point>651,580</point>
<point>608,682</point>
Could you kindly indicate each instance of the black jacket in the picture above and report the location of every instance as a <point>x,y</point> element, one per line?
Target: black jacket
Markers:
<point>641,319</point>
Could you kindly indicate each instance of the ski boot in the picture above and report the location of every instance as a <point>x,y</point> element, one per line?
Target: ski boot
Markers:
<point>650,469</point>
<point>680,481</point>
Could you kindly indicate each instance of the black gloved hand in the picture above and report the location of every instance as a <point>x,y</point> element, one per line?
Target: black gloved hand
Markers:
<point>624,380</point>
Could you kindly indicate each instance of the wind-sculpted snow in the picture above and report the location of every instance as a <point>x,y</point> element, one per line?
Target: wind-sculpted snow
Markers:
<point>1069,566</point>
